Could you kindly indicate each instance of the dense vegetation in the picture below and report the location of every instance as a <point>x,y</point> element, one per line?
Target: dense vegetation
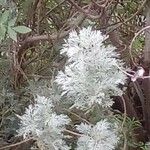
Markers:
<point>32,35</point>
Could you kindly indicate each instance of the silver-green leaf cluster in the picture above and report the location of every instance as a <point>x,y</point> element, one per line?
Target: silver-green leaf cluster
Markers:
<point>7,26</point>
<point>91,75</point>
<point>40,122</point>
<point>102,136</point>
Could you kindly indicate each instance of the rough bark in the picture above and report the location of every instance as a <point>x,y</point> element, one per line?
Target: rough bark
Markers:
<point>146,82</point>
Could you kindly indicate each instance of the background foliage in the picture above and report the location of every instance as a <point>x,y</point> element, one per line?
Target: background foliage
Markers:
<point>31,35</point>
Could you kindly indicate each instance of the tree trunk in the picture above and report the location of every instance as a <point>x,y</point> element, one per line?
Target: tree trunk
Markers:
<point>146,82</point>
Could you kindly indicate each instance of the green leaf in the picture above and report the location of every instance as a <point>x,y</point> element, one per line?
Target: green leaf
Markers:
<point>4,17</point>
<point>12,34</point>
<point>12,22</point>
<point>22,29</point>
<point>2,2</point>
<point>2,32</point>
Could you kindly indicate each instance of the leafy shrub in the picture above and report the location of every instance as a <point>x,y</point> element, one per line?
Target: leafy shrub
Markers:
<point>91,77</point>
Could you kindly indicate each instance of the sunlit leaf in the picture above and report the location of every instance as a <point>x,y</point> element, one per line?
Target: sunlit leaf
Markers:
<point>12,22</point>
<point>12,34</point>
<point>2,2</point>
<point>2,32</point>
<point>22,29</point>
<point>4,17</point>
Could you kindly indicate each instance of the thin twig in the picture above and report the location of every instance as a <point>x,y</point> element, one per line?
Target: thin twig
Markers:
<point>16,144</point>
<point>86,13</point>
<point>125,112</point>
<point>130,47</point>
<point>125,141</point>
<point>54,36</point>
<point>146,77</point>
<point>127,20</point>
<point>74,133</point>
<point>137,12</point>
<point>52,9</point>
<point>123,122</point>
<point>141,97</point>
<point>102,5</point>
<point>78,116</point>
<point>130,75</point>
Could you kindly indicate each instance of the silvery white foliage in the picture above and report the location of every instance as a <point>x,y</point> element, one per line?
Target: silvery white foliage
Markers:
<point>91,75</point>
<point>43,124</point>
<point>147,145</point>
<point>102,136</point>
